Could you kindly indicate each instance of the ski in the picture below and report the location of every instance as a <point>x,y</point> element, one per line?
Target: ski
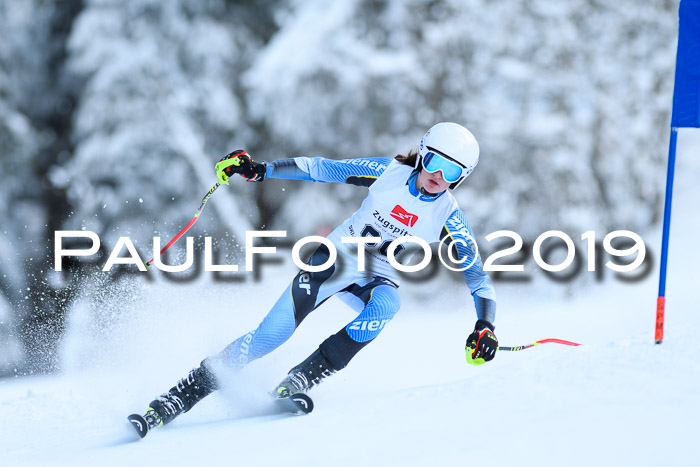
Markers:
<point>296,404</point>
<point>139,423</point>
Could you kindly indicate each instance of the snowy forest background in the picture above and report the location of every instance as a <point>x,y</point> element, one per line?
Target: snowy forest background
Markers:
<point>112,114</point>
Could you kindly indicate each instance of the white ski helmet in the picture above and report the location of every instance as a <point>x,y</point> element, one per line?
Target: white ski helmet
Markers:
<point>454,141</point>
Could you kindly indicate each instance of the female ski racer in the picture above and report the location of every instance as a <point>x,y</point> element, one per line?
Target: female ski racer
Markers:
<point>409,195</point>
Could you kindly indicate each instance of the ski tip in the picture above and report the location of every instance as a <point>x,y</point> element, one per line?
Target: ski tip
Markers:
<point>139,423</point>
<point>303,402</point>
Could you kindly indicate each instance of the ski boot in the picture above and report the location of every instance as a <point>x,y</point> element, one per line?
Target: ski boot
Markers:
<point>304,376</point>
<point>198,384</point>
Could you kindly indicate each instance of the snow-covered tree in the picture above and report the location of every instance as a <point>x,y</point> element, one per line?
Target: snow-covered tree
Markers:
<point>18,138</point>
<point>157,109</point>
<point>569,101</point>
<point>35,105</point>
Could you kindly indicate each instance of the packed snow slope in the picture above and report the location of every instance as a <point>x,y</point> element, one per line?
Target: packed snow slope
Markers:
<point>407,399</point>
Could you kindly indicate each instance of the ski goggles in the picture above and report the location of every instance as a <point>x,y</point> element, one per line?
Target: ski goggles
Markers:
<point>451,170</point>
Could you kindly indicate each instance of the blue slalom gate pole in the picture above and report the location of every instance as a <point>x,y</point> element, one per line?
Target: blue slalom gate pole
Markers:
<point>685,114</point>
<point>661,300</point>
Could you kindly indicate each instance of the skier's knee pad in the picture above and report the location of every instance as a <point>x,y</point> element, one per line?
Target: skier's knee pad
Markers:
<point>342,346</point>
<point>380,309</point>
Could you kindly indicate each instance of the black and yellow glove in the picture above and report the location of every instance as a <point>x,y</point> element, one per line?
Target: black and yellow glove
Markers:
<point>482,343</point>
<point>239,162</point>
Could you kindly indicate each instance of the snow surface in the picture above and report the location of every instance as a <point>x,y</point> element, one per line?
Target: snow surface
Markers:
<point>407,399</point>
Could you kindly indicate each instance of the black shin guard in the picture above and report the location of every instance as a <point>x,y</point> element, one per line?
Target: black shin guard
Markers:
<point>339,349</point>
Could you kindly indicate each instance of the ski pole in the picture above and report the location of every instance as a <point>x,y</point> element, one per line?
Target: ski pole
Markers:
<point>543,341</point>
<point>188,226</point>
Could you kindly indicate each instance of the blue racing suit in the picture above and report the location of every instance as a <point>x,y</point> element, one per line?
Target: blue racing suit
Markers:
<point>394,208</point>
